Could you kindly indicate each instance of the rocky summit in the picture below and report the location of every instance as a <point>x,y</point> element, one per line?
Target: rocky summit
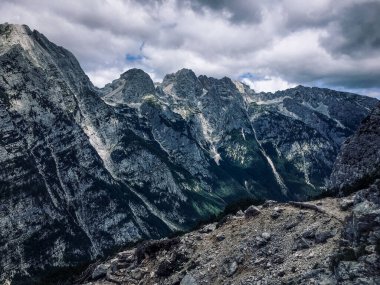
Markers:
<point>84,170</point>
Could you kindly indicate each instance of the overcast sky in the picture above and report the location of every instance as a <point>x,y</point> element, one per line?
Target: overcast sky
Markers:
<point>269,44</point>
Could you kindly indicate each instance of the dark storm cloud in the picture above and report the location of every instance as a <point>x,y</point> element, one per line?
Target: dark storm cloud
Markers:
<point>272,44</point>
<point>356,32</point>
<point>238,11</point>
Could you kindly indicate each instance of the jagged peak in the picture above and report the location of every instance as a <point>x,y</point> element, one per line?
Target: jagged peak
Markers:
<point>134,72</point>
<point>242,87</point>
<point>27,39</point>
<point>180,74</point>
<point>14,34</point>
<point>185,71</point>
<point>132,85</point>
<point>138,77</point>
<point>224,82</point>
<point>184,81</point>
<point>7,27</point>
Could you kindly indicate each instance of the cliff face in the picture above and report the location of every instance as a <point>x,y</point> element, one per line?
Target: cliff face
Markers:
<point>60,203</point>
<point>358,163</point>
<point>84,170</point>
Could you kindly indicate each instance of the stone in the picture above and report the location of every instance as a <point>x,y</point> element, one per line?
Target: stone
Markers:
<point>311,255</point>
<point>100,271</point>
<point>260,241</point>
<point>165,268</point>
<point>269,203</point>
<point>208,228</point>
<point>220,237</point>
<point>275,215</point>
<point>230,267</point>
<point>322,237</point>
<point>188,280</point>
<point>281,273</point>
<point>266,236</point>
<point>345,204</point>
<point>137,274</point>
<point>309,233</point>
<point>300,243</point>
<point>291,224</point>
<point>252,211</point>
<point>278,259</point>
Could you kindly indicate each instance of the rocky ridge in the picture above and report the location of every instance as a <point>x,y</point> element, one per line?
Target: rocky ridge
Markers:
<point>94,169</point>
<point>275,243</point>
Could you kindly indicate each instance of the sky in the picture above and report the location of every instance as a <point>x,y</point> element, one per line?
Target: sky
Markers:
<point>270,45</point>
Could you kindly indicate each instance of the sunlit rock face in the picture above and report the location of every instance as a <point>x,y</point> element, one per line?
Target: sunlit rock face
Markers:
<point>84,170</point>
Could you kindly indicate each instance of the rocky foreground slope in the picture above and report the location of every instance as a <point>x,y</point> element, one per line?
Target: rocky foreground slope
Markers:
<point>267,244</point>
<point>85,170</point>
<point>327,241</point>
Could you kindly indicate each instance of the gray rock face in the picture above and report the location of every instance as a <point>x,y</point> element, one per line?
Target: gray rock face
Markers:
<point>304,128</point>
<point>60,201</point>
<point>85,170</point>
<point>358,165</point>
<point>358,168</point>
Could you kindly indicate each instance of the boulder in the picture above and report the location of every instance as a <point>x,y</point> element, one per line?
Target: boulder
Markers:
<point>252,211</point>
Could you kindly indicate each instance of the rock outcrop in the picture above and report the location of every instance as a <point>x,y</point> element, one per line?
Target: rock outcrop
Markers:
<point>357,166</point>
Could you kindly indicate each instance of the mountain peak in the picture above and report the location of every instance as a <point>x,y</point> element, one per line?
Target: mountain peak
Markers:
<point>130,87</point>
<point>12,34</point>
<point>185,72</point>
<point>185,83</point>
<point>181,74</point>
<point>9,28</point>
<point>134,73</point>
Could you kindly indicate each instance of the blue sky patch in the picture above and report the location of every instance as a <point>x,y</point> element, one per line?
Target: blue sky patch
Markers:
<point>133,57</point>
<point>249,75</point>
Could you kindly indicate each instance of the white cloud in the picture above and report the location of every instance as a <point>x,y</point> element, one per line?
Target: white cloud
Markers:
<point>281,41</point>
<point>103,76</point>
<point>268,84</point>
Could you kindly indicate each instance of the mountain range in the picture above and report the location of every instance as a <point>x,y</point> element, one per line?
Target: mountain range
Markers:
<point>331,240</point>
<point>85,170</point>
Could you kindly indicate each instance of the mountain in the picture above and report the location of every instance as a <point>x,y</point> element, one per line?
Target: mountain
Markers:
<point>86,170</point>
<point>332,240</point>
